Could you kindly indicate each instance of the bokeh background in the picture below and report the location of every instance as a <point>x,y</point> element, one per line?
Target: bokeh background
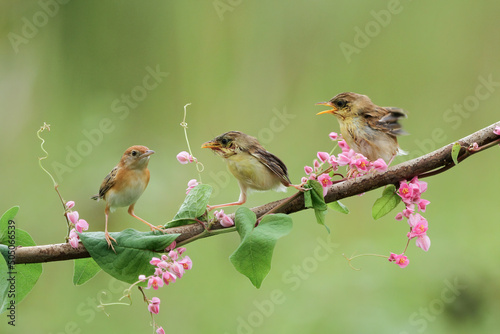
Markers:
<point>258,67</point>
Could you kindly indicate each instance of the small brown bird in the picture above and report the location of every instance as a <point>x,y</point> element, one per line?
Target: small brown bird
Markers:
<point>125,184</point>
<point>367,128</point>
<point>253,166</point>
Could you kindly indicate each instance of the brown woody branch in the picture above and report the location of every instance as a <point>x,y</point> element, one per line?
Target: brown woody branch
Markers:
<point>426,165</point>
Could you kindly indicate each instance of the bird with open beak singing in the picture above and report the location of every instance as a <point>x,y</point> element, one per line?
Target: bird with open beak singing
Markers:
<point>125,184</point>
<point>367,128</point>
<point>253,166</point>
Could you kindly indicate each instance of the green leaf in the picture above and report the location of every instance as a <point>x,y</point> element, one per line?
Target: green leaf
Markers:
<point>179,222</point>
<point>134,250</point>
<point>455,150</point>
<point>253,256</point>
<point>318,202</point>
<point>85,269</point>
<point>388,201</point>
<point>307,199</point>
<point>195,203</point>
<point>23,276</point>
<point>339,207</point>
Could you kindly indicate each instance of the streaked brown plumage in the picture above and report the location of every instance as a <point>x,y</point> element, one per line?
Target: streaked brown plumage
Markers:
<point>125,184</point>
<point>367,128</point>
<point>253,166</point>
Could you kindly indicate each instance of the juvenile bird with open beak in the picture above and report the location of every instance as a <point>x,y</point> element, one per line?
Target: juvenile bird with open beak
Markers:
<point>125,184</point>
<point>253,166</point>
<point>367,128</point>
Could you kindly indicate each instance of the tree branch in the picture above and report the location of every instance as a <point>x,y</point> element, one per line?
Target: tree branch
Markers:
<point>426,165</point>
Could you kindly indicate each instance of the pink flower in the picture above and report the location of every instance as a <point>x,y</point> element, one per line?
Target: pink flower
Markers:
<point>422,186</point>
<point>163,264</point>
<point>160,330</point>
<point>333,135</point>
<point>223,219</point>
<point>402,261</point>
<point>323,156</point>
<point>226,221</point>
<point>73,242</point>
<point>181,250</point>
<point>424,242</point>
<point>168,277</point>
<point>475,146</point>
<point>399,216</point>
<point>332,160</point>
<point>171,246</point>
<point>379,165</point>
<point>70,204</point>
<point>142,278</point>
<point>422,204</point>
<point>82,225</point>
<point>73,216</point>
<point>155,282</point>
<point>73,234</point>
<point>316,164</point>
<point>158,272</point>
<point>178,269</point>
<point>405,191</point>
<point>419,229</point>
<point>303,179</point>
<point>362,164</point>
<point>497,130</point>
<point>343,160</point>
<point>186,263</point>
<point>343,145</point>
<point>413,220</point>
<point>154,261</point>
<point>326,181</point>
<point>154,306</point>
<point>191,184</point>
<point>308,170</point>
<point>184,157</point>
<point>392,257</point>
<point>173,255</point>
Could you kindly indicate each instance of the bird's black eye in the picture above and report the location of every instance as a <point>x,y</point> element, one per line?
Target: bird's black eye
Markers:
<point>134,153</point>
<point>224,141</point>
<point>341,103</point>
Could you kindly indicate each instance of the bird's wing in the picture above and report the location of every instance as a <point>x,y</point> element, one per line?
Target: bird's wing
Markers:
<point>387,119</point>
<point>273,163</point>
<point>109,181</point>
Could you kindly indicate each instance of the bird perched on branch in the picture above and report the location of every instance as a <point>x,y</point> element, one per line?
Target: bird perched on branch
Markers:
<point>367,128</point>
<point>125,184</point>
<point>253,166</point>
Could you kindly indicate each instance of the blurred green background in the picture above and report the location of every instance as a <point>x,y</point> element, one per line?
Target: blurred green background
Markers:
<point>258,67</point>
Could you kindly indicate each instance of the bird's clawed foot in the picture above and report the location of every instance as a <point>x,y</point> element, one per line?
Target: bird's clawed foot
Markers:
<point>108,240</point>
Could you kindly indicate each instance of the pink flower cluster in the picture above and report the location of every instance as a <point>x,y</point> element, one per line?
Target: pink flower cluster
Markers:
<point>79,225</point>
<point>410,193</point>
<point>168,269</point>
<point>358,164</point>
<point>400,259</point>
<point>223,219</point>
<point>184,157</point>
<point>191,184</point>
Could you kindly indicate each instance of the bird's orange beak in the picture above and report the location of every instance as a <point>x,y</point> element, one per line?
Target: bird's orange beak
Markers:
<point>211,144</point>
<point>328,104</point>
<point>147,153</point>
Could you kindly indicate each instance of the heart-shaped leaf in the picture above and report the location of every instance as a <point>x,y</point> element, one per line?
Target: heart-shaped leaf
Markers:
<point>134,250</point>
<point>253,256</point>
<point>386,203</point>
